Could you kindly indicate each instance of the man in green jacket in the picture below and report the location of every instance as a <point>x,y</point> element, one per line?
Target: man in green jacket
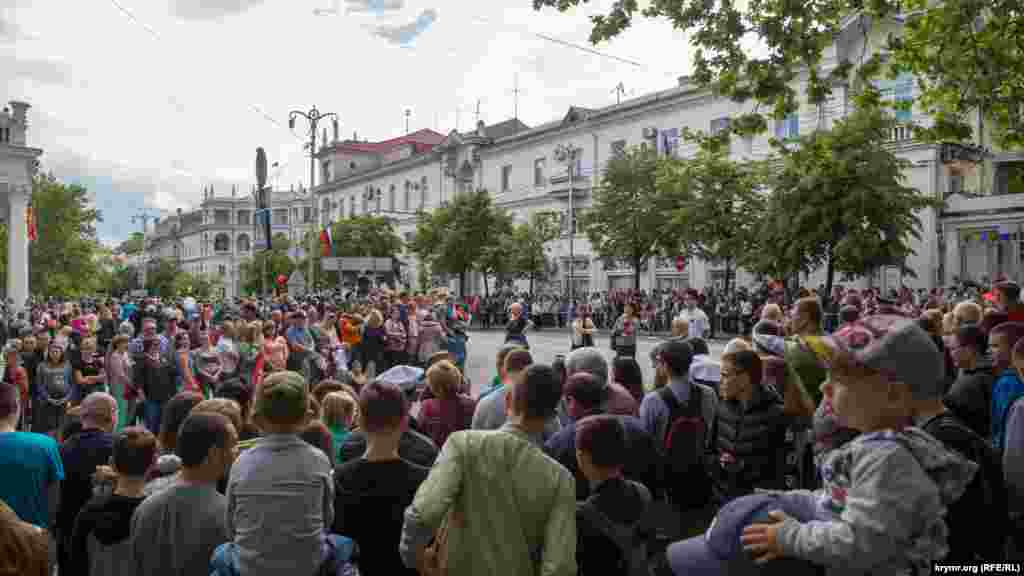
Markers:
<point>511,510</point>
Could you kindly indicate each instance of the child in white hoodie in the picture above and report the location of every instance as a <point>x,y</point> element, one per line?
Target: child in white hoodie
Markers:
<point>885,492</point>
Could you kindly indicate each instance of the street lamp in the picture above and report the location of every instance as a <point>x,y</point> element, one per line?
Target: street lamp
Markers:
<point>313,118</point>
<point>568,153</point>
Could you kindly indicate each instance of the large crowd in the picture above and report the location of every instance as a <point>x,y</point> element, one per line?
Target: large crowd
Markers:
<point>865,435</point>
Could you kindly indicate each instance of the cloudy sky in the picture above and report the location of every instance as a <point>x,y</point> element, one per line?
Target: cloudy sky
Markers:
<point>147,101</point>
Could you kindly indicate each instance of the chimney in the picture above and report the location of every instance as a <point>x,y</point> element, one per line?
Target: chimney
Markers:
<point>19,111</point>
<point>481,129</point>
<point>336,128</point>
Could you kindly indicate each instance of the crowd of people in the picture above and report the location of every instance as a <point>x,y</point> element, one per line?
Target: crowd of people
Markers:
<point>184,438</point>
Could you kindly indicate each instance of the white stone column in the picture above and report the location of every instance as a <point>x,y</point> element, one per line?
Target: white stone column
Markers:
<point>17,245</point>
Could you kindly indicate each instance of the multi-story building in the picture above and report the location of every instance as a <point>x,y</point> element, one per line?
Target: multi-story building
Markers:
<point>519,167</point>
<point>218,236</point>
<point>18,163</point>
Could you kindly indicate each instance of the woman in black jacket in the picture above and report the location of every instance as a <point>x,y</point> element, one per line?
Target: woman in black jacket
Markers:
<point>155,376</point>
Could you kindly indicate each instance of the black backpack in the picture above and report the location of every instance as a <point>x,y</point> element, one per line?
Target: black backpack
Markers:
<point>628,539</point>
<point>985,497</point>
<point>686,481</point>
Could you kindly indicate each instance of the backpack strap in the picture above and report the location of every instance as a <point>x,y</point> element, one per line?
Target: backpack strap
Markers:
<point>622,536</point>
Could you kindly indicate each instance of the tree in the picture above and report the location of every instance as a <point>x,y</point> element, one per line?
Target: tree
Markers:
<point>497,258</point>
<point>966,55</point>
<point>277,263</point>
<point>629,218</point>
<point>839,200</point>
<point>719,203</point>
<point>62,262</point>
<point>199,286</point>
<point>132,245</point>
<point>359,236</point>
<point>529,241</point>
<point>161,277</point>
<point>454,238</point>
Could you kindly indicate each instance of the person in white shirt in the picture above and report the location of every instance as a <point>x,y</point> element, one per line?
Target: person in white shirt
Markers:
<point>696,317</point>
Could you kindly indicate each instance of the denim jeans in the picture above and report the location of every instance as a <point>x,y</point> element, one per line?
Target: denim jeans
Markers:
<point>152,412</point>
<point>336,554</point>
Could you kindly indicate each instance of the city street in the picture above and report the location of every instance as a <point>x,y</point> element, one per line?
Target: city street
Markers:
<point>483,345</point>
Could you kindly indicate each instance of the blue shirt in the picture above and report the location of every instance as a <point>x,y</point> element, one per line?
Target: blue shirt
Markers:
<point>1007,388</point>
<point>30,463</point>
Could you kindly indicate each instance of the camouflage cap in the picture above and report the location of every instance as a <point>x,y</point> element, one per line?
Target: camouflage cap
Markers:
<point>282,398</point>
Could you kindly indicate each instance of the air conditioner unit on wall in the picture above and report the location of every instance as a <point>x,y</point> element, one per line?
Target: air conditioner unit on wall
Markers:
<point>650,132</point>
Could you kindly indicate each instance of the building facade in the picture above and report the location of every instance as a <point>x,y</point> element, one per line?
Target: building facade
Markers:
<point>519,167</point>
<point>217,237</point>
<point>18,163</point>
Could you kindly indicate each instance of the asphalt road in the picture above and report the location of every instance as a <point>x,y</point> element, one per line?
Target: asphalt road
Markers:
<point>544,345</point>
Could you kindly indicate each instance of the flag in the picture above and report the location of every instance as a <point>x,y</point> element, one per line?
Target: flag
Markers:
<point>30,224</point>
<point>326,242</point>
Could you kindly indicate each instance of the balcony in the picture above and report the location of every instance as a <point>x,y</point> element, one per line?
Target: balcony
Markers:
<point>901,133</point>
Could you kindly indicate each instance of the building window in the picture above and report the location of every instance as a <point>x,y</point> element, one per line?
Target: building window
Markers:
<point>222,270</point>
<point>351,206</point>
<point>423,192</point>
<point>366,200</point>
<point>407,201</point>
<point>326,177</point>
<point>719,125</point>
<point>222,243</point>
<point>243,242</point>
<point>243,218</point>
<point>506,178</point>
<point>1010,178</point>
<point>788,128</point>
<point>222,217</point>
<point>668,142</point>
<point>295,214</point>
<point>618,148</point>
<point>307,214</point>
<point>538,171</point>
<point>956,183</point>
<point>281,217</point>
<point>391,198</point>
<point>325,211</point>
<point>900,93</point>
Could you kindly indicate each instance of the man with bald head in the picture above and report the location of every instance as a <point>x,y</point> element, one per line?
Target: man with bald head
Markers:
<point>81,454</point>
<point>590,360</point>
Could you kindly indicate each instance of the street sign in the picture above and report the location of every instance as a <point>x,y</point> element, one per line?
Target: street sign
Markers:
<point>680,263</point>
<point>261,242</point>
<point>363,264</point>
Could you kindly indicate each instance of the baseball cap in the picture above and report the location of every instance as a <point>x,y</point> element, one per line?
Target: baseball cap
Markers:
<point>405,377</point>
<point>282,397</point>
<point>897,347</point>
<point>719,550</point>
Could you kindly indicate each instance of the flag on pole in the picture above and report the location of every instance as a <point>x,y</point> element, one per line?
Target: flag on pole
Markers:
<point>326,242</point>
<point>30,224</point>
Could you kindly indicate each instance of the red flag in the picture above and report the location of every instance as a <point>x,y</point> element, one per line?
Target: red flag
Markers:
<point>30,222</point>
<point>325,242</point>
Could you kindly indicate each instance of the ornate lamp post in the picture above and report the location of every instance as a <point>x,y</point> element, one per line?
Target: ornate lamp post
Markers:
<point>313,118</point>
<point>568,153</point>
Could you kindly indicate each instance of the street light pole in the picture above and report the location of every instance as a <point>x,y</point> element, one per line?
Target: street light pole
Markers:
<point>313,117</point>
<point>143,216</point>
<point>567,153</point>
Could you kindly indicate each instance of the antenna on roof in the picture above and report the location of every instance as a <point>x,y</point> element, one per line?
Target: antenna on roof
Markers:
<point>619,90</point>
<point>515,99</point>
<point>478,110</point>
<point>408,113</point>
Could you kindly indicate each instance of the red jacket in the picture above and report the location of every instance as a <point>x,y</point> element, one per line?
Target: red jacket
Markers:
<point>20,380</point>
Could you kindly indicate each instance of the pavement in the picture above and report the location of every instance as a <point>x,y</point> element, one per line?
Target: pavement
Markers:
<point>545,345</point>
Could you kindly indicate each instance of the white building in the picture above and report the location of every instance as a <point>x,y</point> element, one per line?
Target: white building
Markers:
<point>216,238</point>
<point>17,166</point>
<point>517,165</point>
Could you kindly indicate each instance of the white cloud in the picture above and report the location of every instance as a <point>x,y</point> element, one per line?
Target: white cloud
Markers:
<point>151,120</point>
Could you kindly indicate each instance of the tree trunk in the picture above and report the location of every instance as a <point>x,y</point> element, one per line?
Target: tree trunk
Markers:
<point>532,275</point>
<point>462,283</point>
<point>830,272</point>
<point>486,289</point>
<point>636,273</point>
<point>725,285</point>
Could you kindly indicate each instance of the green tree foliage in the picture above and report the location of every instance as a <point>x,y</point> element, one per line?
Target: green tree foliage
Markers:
<point>629,218</point>
<point>454,238</point>
<point>718,203</point>
<point>132,245</point>
<point>199,286</point>
<point>529,245</point>
<point>161,277</point>
<point>61,259</point>
<point>364,235</point>
<point>839,200</point>
<point>498,258</point>
<point>966,54</point>
<point>277,263</point>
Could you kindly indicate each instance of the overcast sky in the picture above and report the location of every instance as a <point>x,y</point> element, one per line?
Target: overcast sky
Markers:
<point>146,101</point>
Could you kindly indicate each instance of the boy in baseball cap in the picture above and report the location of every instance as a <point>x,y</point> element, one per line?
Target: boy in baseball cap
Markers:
<point>280,494</point>
<point>885,492</point>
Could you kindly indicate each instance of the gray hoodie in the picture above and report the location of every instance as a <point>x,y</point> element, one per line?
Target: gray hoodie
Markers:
<point>882,505</point>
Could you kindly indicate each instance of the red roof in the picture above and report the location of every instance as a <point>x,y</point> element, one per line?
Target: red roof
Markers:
<point>422,141</point>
